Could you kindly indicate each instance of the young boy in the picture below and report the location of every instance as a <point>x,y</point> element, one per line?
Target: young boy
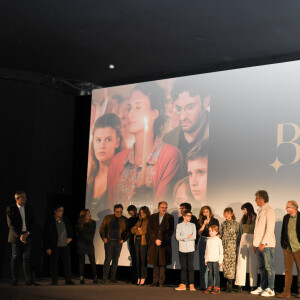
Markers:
<point>213,259</point>
<point>186,235</point>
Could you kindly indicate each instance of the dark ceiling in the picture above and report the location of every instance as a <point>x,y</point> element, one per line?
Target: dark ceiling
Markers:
<point>145,39</point>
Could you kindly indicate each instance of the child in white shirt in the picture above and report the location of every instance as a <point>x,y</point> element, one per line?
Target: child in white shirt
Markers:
<point>213,259</point>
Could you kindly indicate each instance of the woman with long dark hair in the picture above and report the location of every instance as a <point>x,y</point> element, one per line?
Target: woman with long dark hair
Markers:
<point>246,254</point>
<point>86,228</point>
<point>141,244</point>
<point>106,142</point>
<point>206,219</point>
<point>149,163</point>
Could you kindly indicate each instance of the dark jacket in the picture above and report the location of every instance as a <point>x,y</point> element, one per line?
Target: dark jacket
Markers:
<point>205,232</point>
<point>160,255</point>
<point>85,238</point>
<point>14,221</point>
<point>131,223</point>
<point>105,227</point>
<point>285,243</point>
<point>51,235</point>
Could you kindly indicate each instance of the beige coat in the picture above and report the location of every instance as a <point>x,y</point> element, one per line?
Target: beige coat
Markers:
<point>265,227</point>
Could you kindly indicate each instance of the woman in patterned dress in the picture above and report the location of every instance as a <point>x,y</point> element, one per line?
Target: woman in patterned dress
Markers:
<point>230,235</point>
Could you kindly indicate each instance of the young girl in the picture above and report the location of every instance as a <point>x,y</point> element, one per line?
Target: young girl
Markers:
<point>213,259</point>
<point>246,253</point>
<point>106,142</point>
<point>230,235</point>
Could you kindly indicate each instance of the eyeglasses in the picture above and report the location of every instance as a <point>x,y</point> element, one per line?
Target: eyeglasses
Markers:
<point>187,108</point>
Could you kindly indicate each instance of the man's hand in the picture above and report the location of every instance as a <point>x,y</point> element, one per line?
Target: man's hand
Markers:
<point>254,249</point>
<point>121,242</point>
<point>261,247</point>
<point>158,242</point>
<point>23,237</point>
<point>49,251</point>
<point>105,240</point>
<point>69,240</point>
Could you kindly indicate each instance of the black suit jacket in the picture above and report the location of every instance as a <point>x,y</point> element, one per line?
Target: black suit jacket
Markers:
<point>14,221</point>
<point>285,243</point>
<point>51,235</point>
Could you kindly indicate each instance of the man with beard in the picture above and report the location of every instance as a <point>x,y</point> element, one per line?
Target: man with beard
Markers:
<point>191,100</point>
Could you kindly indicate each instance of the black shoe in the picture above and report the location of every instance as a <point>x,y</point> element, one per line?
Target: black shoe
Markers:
<point>14,283</point>
<point>240,289</point>
<point>161,285</point>
<point>81,280</point>
<point>95,280</point>
<point>54,282</point>
<point>32,283</point>
<point>114,281</point>
<point>104,281</point>
<point>229,286</point>
<point>153,284</point>
<point>69,282</point>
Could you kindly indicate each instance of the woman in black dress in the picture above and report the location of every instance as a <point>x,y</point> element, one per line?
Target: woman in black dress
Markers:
<point>86,228</point>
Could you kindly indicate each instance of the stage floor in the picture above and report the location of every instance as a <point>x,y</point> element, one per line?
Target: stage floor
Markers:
<point>90,291</point>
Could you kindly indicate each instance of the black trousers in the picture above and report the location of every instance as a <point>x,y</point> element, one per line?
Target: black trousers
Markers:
<point>20,249</point>
<point>112,254</point>
<point>159,274</point>
<point>132,251</point>
<point>187,267</point>
<point>141,259</point>
<point>64,254</point>
<point>82,264</point>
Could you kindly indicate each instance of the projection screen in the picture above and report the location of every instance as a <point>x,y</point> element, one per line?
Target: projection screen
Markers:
<point>246,123</point>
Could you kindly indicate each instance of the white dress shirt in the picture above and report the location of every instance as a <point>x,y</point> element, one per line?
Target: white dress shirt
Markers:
<point>214,250</point>
<point>22,213</point>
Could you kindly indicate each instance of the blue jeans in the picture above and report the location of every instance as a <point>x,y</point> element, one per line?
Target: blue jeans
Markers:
<point>213,273</point>
<point>20,249</point>
<point>266,268</point>
<point>202,266</point>
<point>112,254</point>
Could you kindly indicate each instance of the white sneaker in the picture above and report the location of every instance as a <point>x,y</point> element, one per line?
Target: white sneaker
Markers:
<point>268,293</point>
<point>258,291</point>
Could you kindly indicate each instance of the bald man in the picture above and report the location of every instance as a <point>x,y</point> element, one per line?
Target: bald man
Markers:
<point>290,242</point>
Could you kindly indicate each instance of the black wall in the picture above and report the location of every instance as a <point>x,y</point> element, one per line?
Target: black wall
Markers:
<point>44,146</point>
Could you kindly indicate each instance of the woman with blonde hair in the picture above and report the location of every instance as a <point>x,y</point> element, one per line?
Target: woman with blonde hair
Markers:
<point>86,228</point>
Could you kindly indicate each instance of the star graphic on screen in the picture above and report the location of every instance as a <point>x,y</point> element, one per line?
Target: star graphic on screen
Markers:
<point>276,164</point>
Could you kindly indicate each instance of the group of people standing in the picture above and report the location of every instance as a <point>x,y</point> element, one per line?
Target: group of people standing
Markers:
<point>230,246</point>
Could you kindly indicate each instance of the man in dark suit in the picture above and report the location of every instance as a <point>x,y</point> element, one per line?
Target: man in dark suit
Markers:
<point>160,231</point>
<point>58,235</point>
<point>19,220</point>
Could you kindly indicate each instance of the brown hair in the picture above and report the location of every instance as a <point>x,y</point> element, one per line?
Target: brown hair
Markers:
<point>146,210</point>
<point>229,209</point>
<point>185,212</point>
<point>82,218</point>
<point>201,221</point>
<point>214,228</point>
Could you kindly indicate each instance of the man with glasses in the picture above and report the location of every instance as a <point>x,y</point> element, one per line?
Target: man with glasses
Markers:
<point>114,232</point>
<point>290,242</point>
<point>19,220</point>
<point>160,231</point>
<point>190,102</point>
